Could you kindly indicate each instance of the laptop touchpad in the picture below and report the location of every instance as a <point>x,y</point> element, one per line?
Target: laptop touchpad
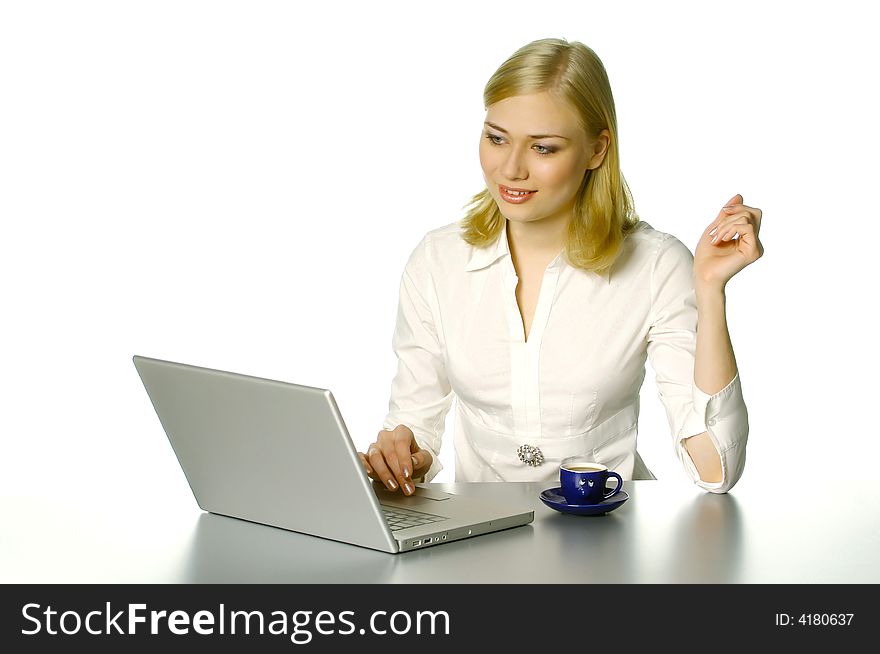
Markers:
<point>428,494</point>
<point>421,493</point>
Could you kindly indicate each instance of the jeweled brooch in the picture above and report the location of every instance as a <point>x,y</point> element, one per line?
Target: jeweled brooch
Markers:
<point>530,455</point>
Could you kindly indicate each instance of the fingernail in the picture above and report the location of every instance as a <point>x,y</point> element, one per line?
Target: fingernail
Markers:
<point>409,488</point>
<point>714,229</point>
<point>729,207</point>
<point>415,463</point>
<point>405,471</point>
<point>715,238</point>
<point>392,484</point>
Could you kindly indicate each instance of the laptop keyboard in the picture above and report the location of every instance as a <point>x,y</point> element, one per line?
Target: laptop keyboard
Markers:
<point>398,518</point>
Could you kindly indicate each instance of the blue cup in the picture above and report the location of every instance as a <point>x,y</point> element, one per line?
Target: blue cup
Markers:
<point>583,482</point>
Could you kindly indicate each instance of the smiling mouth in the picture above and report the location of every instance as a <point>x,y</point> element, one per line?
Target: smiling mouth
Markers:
<point>515,196</point>
<point>514,191</point>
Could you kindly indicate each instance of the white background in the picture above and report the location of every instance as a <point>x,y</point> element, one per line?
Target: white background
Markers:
<point>238,185</point>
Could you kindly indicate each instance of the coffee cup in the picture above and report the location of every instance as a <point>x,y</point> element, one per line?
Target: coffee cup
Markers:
<point>583,481</point>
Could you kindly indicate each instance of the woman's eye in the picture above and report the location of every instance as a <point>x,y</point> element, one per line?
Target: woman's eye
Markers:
<point>541,148</point>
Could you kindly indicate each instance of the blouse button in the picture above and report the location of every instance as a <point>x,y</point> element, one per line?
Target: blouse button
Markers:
<point>712,422</point>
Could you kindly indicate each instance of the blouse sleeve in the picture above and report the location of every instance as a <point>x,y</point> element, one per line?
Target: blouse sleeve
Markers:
<point>421,394</point>
<point>672,338</point>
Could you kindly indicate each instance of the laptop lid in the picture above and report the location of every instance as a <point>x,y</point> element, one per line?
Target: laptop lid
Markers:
<point>266,451</point>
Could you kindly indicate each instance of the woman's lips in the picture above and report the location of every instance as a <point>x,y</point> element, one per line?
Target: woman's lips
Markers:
<point>514,198</point>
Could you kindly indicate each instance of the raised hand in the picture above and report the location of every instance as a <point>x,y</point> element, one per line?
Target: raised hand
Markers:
<point>728,244</point>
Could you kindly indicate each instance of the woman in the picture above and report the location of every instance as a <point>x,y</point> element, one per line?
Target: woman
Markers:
<point>539,309</point>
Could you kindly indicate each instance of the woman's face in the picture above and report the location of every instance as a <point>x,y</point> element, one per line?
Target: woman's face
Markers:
<point>534,143</point>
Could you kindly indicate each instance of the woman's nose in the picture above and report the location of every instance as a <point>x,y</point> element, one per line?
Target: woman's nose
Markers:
<point>514,165</point>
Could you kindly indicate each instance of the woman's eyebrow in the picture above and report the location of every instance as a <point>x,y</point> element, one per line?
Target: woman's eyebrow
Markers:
<point>531,136</point>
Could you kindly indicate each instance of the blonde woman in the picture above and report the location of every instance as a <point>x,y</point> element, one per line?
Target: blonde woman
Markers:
<point>540,308</point>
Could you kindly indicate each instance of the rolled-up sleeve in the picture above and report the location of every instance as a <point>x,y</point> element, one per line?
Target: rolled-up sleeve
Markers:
<point>421,394</point>
<point>672,336</point>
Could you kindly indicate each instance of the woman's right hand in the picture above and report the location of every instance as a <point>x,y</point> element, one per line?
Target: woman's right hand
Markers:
<point>395,459</point>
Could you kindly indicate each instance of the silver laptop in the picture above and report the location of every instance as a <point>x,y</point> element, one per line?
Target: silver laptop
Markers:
<point>279,454</point>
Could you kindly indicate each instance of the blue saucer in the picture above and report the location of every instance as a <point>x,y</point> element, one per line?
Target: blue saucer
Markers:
<point>554,498</point>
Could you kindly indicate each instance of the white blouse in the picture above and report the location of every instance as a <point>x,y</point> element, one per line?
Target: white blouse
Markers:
<point>573,387</point>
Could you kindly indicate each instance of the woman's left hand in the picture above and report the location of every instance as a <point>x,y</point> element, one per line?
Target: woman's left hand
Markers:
<point>719,256</point>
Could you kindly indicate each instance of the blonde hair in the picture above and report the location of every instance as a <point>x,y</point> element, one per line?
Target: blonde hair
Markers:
<point>604,211</point>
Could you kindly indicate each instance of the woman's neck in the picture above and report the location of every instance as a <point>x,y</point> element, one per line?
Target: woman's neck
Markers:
<point>536,241</point>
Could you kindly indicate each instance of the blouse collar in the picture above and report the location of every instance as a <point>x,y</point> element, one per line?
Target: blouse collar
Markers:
<point>486,256</point>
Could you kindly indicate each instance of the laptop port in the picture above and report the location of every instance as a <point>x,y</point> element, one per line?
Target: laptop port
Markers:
<point>416,543</point>
<point>427,540</point>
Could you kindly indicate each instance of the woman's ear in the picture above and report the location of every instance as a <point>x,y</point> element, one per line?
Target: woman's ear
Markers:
<point>600,147</point>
